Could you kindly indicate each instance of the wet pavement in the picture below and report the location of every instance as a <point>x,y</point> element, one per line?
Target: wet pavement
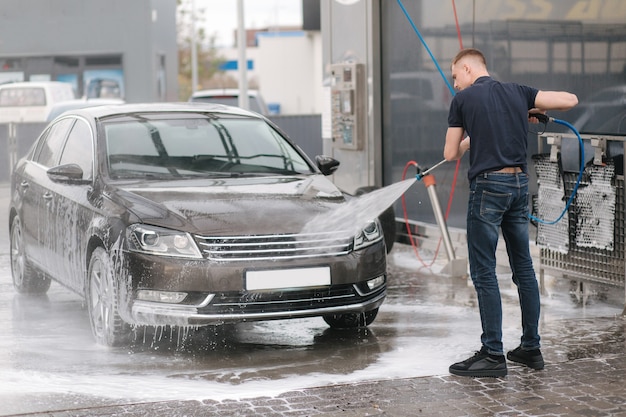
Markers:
<point>398,367</point>
<point>584,387</point>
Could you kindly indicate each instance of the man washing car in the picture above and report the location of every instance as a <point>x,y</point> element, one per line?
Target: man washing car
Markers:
<point>495,116</point>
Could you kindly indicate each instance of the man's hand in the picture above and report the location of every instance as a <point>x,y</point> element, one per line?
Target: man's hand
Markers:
<point>537,115</point>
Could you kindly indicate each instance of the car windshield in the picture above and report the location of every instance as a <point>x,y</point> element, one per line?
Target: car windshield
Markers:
<point>193,145</point>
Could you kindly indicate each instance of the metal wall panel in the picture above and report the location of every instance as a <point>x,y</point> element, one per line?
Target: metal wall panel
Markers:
<point>304,130</point>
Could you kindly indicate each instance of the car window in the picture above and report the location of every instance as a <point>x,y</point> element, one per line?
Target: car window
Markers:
<point>50,144</point>
<point>198,146</point>
<point>79,148</point>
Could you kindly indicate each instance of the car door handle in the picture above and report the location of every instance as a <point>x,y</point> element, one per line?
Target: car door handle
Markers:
<point>47,195</point>
<point>24,185</point>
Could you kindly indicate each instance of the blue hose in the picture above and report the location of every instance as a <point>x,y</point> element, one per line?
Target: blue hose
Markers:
<point>580,173</point>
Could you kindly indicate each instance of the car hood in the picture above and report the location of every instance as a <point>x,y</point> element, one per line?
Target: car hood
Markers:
<point>248,205</point>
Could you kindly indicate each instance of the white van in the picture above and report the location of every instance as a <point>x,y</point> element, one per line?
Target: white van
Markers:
<point>31,101</point>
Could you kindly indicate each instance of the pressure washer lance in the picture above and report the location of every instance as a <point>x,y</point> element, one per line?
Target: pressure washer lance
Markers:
<point>454,267</point>
<point>421,174</point>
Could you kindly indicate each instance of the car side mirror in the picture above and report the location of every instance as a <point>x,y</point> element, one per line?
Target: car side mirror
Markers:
<point>68,173</point>
<point>326,164</point>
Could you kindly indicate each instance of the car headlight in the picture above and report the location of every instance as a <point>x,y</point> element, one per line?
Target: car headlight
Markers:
<point>368,235</point>
<point>160,241</point>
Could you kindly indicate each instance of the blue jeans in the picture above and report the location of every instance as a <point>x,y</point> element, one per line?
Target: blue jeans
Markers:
<point>500,201</point>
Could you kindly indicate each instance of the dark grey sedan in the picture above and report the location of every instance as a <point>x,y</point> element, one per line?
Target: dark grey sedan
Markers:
<point>187,215</point>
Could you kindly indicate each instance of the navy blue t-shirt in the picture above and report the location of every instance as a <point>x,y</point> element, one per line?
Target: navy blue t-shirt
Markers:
<point>495,115</point>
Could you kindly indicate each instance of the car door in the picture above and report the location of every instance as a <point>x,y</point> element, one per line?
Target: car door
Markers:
<point>74,211</point>
<point>28,185</point>
<point>38,205</point>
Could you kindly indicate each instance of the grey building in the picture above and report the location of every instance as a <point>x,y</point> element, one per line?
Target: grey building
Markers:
<point>104,48</point>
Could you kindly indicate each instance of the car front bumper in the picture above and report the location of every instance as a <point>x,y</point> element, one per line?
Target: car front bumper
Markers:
<point>215,310</point>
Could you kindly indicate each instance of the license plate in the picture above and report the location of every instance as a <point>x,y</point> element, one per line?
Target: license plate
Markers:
<point>287,278</point>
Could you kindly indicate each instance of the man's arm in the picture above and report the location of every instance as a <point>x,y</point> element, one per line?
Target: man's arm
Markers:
<point>455,145</point>
<point>555,100</point>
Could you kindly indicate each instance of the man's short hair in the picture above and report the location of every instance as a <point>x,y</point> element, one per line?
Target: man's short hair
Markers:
<point>470,52</point>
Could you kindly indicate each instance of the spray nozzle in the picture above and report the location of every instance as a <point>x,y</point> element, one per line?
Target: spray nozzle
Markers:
<point>420,172</point>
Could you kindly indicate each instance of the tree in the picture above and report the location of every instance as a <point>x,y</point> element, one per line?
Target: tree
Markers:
<point>209,60</point>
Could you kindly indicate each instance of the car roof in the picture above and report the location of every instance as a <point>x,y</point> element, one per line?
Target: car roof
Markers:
<point>222,92</point>
<point>63,106</point>
<point>100,112</point>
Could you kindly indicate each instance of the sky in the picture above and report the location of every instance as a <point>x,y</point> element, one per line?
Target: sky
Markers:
<point>220,16</point>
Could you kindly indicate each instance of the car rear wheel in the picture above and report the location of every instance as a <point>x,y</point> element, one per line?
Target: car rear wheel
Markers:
<point>25,279</point>
<point>351,320</point>
<point>103,302</point>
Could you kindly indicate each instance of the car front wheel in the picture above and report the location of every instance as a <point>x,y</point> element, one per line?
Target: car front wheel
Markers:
<point>351,320</point>
<point>103,302</point>
<point>25,279</point>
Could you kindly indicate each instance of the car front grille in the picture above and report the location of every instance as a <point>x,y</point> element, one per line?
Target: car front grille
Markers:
<point>271,247</point>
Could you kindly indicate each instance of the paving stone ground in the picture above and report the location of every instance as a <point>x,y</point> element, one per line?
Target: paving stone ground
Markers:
<point>590,383</point>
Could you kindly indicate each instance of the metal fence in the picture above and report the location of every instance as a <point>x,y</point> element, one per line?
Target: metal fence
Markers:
<point>17,138</point>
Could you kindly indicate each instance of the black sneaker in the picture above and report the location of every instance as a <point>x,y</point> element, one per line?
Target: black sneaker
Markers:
<point>531,358</point>
<point>481,364</point>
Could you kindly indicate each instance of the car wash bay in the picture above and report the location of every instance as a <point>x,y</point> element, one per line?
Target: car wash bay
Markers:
<point>49,361</point>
